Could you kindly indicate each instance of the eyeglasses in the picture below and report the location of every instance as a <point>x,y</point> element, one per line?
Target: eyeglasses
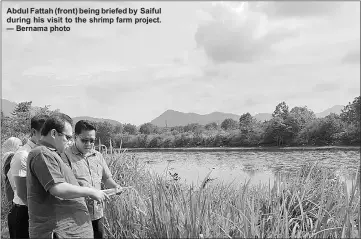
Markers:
<point>84,141</point>
<point>68,137</point>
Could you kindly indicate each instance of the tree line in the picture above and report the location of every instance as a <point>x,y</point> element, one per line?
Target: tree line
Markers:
<point>287,127</point>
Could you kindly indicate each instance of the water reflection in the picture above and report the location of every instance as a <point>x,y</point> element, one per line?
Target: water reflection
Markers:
<point>260,167</point>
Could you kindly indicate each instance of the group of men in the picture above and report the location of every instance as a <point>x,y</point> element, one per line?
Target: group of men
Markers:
<point>57,190</point>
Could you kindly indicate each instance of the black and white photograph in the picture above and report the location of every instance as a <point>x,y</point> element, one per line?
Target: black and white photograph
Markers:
<point>180,119</point>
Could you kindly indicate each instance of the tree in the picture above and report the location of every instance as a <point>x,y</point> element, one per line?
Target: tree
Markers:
<point>45,110</point>
<point>350,115</point>
<point>229,124</point>
<point>20,119</point>
<point>302,115</point>
<point>277,132</point>
<point>211,126</point>
<point>148,128</point>
<point>22,108</point>
<point>281,110</point>
<point>246,122</point>
<point>333,125</point>
<point>130,129</point>
<point>195,127</point>
<point>104,132</point>
<point>351,112</point>
<point>293,127</point>
<point>324,131</point>
<point>6,128</point>
<point>118,129</point>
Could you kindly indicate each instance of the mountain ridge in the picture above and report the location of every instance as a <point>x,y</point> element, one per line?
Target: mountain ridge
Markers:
<point>172,117</point>
<point>8,106</point>
<point>77,118</point>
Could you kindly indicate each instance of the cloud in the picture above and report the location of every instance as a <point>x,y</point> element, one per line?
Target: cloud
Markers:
<point>326,87</point>
<point>352,57</point>
<point>237,35</point>
<point>252,102</point>
<point>211,72</point>
<point>197,62</point>
<point>178,72</point>
<point>298,9</point>
<point>64,85</point>
<point>107,87</point>
<point>354,90</point>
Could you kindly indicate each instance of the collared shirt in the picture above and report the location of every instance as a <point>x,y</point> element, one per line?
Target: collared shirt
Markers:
<point>90,171</point>
<point>68,218</point>
<point>18,167</point>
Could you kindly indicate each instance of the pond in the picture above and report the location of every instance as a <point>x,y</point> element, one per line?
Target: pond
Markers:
<point>258,166</point>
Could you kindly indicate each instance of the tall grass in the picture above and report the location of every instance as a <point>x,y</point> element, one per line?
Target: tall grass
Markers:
<point>314,203</point>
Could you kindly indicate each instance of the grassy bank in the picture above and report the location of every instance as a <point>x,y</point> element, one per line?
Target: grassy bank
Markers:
<point>241,149</point>
<point>313,203</point>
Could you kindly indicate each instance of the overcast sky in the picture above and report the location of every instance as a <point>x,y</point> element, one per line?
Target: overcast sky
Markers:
<point>203,57</point>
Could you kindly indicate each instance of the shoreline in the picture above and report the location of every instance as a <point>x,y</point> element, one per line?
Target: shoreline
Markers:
<point>240,149</point>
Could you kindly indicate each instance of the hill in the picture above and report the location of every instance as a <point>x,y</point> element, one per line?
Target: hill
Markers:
<point>7,107</point>
<point>263,116</point>
<point>175,118</point>
<point>113,122</point>
<point>335,109</point>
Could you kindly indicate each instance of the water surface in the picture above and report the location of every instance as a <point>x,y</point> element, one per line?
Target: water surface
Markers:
<point>240,166</point>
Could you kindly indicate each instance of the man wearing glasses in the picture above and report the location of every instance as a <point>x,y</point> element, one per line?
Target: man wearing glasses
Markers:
<point>90,169</point>
<point>57,208</point>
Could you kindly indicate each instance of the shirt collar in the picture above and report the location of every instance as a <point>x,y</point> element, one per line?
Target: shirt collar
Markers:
<point>76,151</point>
<point>31,144</point>
<point>47,144</point>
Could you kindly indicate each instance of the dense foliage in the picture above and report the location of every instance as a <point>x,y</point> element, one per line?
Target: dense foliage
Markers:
<point>295,127</point>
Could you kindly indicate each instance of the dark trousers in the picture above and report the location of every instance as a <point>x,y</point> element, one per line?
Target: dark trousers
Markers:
<point>98,228</point>
<point>18,221</point>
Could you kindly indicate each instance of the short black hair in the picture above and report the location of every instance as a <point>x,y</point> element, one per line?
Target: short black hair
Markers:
<point>84,125</point>
<point>38,121</point>
<point>57,122</point>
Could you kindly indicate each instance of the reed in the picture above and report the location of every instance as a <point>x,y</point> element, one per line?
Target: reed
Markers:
<point>313,203</point>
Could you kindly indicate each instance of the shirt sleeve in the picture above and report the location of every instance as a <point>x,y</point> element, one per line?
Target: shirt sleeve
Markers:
<point>47,170</point>
<point>106,171</point>
<point>18,164</point>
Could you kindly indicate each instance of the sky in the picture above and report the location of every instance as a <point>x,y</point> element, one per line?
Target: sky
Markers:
<point>232,57</point>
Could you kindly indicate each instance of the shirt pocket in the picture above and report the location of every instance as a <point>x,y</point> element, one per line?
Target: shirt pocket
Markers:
<point>97,173</point>
<point>81,173</point>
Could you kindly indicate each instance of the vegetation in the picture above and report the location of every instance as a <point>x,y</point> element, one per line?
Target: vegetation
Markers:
<point>296,127</point>
<point>313,204</point>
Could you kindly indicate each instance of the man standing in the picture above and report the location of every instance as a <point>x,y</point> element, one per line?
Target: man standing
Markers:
<point>90,169</point>
<point>20,227</point>
<point>56,205</point>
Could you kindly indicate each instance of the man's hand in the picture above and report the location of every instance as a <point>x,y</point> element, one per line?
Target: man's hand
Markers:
<point>114,191</point>
<point>99,195</point>
<point>119,190</point>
